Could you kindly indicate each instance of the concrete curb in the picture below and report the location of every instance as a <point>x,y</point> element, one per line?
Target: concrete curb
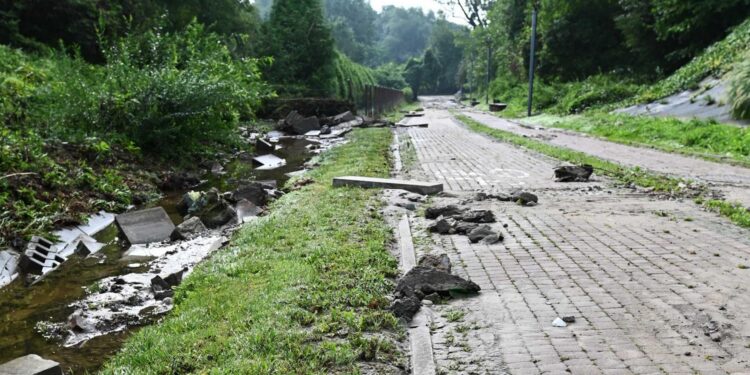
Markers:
<point>420,340</point>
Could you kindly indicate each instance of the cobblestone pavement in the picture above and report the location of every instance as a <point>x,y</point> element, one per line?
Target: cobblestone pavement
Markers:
<point>732,181</point>
<point>656,287</point>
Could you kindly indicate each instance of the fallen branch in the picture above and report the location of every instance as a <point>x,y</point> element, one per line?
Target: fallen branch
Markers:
<point>18,174</point>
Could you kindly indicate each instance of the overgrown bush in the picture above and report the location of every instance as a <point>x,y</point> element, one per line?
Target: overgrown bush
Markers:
<point>739,89</point>
<point>593,92</point>
<point>170,93</point>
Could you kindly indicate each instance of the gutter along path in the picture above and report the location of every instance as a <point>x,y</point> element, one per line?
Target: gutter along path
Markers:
<point>651,293</point>
<point>732,181</point>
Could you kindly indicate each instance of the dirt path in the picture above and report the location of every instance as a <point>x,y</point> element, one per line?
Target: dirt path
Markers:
<point>732,181</point>
<point>655,286</point>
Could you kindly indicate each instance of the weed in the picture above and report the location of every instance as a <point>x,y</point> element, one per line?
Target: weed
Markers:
<point>454,315</point>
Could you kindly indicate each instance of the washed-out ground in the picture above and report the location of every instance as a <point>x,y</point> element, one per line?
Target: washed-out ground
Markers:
<point>655,286</point>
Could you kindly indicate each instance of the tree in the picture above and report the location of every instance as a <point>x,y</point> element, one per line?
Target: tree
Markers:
<point>413,75</point>
<point>403,33</point>
<point>475,11</point>
<point>449,52</point>
<point>353,27</point>
<point>300,42</point>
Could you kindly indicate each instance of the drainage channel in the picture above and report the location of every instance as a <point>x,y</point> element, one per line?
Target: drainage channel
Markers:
<point>23,308</point>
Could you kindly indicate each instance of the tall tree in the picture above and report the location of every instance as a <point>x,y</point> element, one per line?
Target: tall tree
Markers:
<point>404,33</point>
<point>353,27</point>
<point>300,42</point>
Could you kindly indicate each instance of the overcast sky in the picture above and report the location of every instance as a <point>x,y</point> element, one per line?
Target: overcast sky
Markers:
<point>424,4</point>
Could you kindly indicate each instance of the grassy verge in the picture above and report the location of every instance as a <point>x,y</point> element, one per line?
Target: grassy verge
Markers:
<point>302,290</point>
<point>628,176</point>
<point>706,139</point>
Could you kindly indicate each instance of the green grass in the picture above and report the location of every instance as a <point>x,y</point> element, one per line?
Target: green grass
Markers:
<point>706,139</point>
<point>635,176</point>
<point>298,292</point>
<point>627,176</point>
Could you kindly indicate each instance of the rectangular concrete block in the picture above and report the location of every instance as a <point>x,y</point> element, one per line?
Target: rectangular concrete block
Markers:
<point>145,226</point>
<point>418,187</point>
<point>31,364</point>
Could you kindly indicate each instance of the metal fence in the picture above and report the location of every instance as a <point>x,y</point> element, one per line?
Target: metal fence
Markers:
<point>378,100</point>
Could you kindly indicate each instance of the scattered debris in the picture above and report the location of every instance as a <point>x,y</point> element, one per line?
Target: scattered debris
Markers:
<point>371,182</point>
<point>255,192</point>
<point>484,233</point>
<point>145,226</point>
<point>8,266</point>
<point>440,262</point>
<point>524,198</point>
<point>31,364</point>
<point>558,322</point>
<point>498,107</point>
<point>449,210</point>
<point>246,210</point>
<point>478,216</point>
<point>188,230</point>
<point>574,173</point>
<point>343,117</point>
<point>422,281</point>
<point>443,226</point>
<point>569,319</point>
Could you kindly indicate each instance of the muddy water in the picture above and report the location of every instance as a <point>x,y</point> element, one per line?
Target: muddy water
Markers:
<point>22,307</point>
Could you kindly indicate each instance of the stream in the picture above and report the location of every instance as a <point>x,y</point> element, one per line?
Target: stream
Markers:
<point>22,307</point>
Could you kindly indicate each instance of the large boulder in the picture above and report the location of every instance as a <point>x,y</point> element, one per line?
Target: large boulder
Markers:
<point>443,226</point>
<point>484,232</point>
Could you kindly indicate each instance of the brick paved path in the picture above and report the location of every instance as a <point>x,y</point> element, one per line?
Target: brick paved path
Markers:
<point>646,279</point>
<point>732,181</point>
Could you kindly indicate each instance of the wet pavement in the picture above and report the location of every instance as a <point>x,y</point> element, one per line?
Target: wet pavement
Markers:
<point>655,286</point>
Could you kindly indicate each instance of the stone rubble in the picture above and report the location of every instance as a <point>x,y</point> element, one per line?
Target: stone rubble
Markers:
<point>574,173</point>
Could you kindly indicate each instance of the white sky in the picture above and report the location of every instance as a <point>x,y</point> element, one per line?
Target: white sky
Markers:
<point>427,5</point>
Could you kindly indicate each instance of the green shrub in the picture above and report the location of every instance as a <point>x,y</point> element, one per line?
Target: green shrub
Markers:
<point>169,93</point>
<point>593,92</point>
<point>739,89</point>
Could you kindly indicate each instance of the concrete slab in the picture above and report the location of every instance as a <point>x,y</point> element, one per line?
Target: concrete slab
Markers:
<point>418,187</point>
<point>31,364</point>
<point>269,161</point>
<point>145,226</point>
<point>408,122</point>
<point>96,223</point>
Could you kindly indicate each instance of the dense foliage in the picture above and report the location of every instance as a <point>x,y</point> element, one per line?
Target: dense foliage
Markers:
<point>739,89</point>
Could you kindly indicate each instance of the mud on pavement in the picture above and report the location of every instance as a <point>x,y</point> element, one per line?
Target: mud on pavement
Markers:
<point>654,286</point>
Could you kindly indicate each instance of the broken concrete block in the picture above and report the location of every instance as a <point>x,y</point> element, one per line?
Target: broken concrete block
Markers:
<point>145,226</point>
<point>31,364</point>
<point>9,260</point>
<point>189,229</point>
<point>269,161</point>
<point>524,198</point>
<point>481,233</point>
<point>86,245</point>
<point>478,216</point>
<point>301,125</point>
<point>440,262</point>
<point>386,183</point>
<point>447,211</point>
<point>443,226</point>
<point>343,117</point>
<point>42,254</point>
<point>406,307</point>
<point>574,173</point>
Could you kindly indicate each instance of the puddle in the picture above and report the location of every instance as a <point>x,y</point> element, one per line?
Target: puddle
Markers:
<point>50,299</point>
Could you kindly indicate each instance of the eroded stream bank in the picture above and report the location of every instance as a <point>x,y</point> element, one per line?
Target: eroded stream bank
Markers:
<point>53,298</point>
